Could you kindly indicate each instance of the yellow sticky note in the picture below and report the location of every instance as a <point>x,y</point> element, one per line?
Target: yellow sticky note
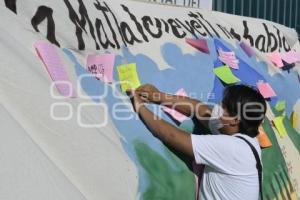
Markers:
<point>294,119</point>
<point>278,123</point>
<point>128,77</point>
<point>225,74</point>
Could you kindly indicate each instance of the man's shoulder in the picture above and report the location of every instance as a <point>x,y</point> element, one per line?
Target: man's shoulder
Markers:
<point>225,137</point>
<point>251,140</point>
<point>220,141</point>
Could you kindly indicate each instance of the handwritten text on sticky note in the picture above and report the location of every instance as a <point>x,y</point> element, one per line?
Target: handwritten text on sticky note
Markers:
<point>101,66</point>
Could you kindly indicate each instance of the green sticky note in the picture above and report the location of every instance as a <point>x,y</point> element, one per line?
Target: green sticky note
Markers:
<point>225,74</point>
<point>278,123</point>
<point>128,77</point>
<point>280,105</point>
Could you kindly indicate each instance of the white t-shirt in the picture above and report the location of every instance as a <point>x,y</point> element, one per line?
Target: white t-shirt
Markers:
<point>230,167</point>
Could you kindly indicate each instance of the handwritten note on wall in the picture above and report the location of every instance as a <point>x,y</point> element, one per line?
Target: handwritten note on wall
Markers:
<point>101,66</point>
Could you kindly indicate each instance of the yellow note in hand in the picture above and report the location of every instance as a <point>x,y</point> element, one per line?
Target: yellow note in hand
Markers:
<point>128,77</point>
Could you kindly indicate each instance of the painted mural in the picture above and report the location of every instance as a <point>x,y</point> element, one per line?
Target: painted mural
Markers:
<point>155,38</point>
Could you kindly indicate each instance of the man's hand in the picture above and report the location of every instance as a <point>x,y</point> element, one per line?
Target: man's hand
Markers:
<point>166,132</point>
<point>149,93</point>
<point>136,100</point>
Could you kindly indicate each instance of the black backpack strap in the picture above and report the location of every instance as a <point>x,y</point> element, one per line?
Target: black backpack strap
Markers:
<point>258,165</point>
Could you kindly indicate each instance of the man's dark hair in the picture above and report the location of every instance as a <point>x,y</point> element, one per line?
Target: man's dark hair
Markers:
<point>246,103</point>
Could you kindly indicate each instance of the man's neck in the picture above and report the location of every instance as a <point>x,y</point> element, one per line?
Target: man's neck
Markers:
<point>231,130</point>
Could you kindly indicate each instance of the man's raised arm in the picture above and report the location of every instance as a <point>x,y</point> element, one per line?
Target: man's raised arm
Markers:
<point>185,105</point>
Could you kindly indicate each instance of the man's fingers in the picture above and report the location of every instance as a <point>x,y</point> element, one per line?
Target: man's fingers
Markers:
<point>130,92</point>
<point>142,93</point>
<point>145,99</point>
<point>137,91</point>
<point>141,89</point>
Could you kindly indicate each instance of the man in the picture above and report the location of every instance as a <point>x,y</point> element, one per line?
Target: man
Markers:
<point>231,154</point>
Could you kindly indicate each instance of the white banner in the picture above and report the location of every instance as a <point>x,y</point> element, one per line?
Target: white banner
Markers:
<point>50,159</point>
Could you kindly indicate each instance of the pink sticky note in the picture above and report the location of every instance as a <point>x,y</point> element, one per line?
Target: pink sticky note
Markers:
<point>228,58</point>
<point>200,44</point>
<point>55,67</point>
<point>291,57</point>
<point>229,54</point>
<point>175,114</point>
<point>265,89</point>
<point>101,66</point>
<point>233,63</point>
<point>275,58</point>
<point>247,49</point>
